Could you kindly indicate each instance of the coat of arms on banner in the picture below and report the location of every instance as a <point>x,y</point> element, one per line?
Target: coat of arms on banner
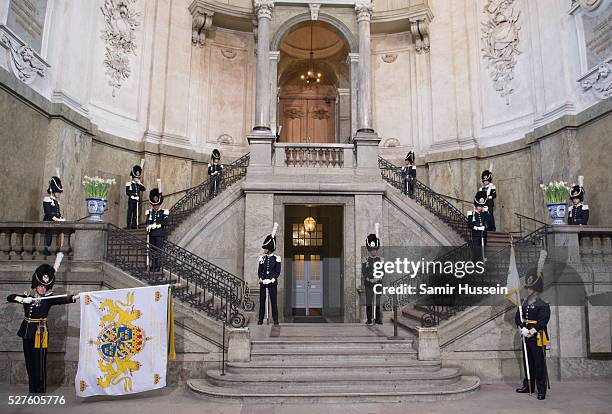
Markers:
<point>126,336</point>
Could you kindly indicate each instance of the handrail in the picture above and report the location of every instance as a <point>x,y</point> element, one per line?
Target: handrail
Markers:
<point>201,194</point>
<point>208,288</point>
<point>428,198</point>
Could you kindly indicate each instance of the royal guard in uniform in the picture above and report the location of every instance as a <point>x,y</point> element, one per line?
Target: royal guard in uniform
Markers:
<point>409,172</point>
<point>532,325</point>
<point>268,271</point>
<point>51,204</point>
<point>578,212</point>
<point>134,190</point>
<point>370,281</point>
<point>156,225</point>
<point>489,188</point>
<point>215,168</point>
<point>33,330</point>
<point>479,222</point>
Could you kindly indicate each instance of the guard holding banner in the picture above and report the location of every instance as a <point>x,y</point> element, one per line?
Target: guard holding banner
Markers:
<point>268,271</point>
<point>33,330</point>
<point>532,324</point>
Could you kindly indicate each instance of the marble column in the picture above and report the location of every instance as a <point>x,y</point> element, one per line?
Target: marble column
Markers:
<point>263,11</point>
<point>364,10</point>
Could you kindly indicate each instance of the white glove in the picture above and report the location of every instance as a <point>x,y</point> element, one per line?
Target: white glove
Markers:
<point>76,297</point>
<point>480,228</point>
<point>134,197</point>
<point>525,332</point>
<point>273,280</point>
<point>27,300</point>
<point>266,281</point>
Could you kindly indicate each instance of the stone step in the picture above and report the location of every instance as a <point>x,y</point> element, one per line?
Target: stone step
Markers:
<point>317,367</point>
<point>330,393</point>
<point>348,345</point>
<point>388,380</point>
<point>341,356</point>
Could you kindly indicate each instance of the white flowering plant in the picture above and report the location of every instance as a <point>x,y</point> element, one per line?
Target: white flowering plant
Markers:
<point>555,192</point>
<point>96,187</point>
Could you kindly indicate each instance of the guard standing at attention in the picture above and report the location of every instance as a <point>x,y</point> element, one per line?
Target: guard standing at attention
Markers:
<point>156,225</point>
<point>578,212</point>
<point>33,330</point>
<point>479,222</point>
<point>215,168</point>
<point>409,172</point>
<point>51,204</point>
<point>134,189</point>
<point>371,282</point>
<point>532,325</point>
<point>489,188</point>
<point>268,271</point>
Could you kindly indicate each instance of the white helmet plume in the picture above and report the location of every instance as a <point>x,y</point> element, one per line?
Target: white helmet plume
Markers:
<point>274,228</point>
<point>541,260</point>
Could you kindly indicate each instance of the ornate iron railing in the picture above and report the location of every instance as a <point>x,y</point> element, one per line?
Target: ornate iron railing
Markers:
<point>204,286</point>
<point>206,191</point>
<point>428,198</point>
<point>437,308</point>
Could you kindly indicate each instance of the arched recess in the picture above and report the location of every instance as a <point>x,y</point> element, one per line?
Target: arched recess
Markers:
<point>343,110</point>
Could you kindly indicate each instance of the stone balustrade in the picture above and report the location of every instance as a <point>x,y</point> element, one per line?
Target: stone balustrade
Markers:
<point>313,155</point>
<point>44,240</point>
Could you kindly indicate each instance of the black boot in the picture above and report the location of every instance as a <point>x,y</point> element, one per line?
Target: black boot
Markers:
<point>525,388</point>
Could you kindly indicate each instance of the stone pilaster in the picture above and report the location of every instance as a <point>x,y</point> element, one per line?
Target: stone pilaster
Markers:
<point>353,61</point>
<point>274,57</point>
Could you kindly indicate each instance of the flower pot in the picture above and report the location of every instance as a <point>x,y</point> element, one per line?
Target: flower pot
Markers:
<point>557,212</point>
<point>96,207</point>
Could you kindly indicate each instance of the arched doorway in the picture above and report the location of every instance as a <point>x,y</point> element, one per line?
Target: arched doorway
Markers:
<point>313,85</point>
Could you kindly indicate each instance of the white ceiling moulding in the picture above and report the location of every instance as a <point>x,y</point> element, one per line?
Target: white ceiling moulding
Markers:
<point>25,63</point>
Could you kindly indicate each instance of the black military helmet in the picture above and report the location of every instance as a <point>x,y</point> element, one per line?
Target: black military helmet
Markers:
<point>136,171</point>
<point>372,241</point>
<point>486,175</point>
<point>534,281</point>
<point>577,192</point>
<point>480,199</point>
<point>155,197</point>
<point>55,185</point>
<point>216,155</point>
<point>410,156</point>
<point>44,275</point>
<point>270,240</point>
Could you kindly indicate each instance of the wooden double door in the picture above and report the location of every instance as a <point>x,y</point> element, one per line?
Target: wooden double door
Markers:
<point>308,120</point>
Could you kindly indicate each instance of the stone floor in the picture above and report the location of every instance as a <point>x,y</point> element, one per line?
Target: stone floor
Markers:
<point>566,397</point>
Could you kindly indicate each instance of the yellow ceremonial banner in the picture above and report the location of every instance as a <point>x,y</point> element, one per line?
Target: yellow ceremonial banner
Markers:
<point>127,337</point>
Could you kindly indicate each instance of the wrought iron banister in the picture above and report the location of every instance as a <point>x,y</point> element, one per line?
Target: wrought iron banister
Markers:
<point>202,193</point>
<point>206,287</point>
<point>428,198</point>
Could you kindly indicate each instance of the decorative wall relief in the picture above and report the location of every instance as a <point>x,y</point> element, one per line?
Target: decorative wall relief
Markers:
<point>228,53</point>
<point>500,39</point>
<point>294,113</point>
<point>320,113</point>
<point>600,81</point>
<point>225,139</point>
<point>314,10</point>
<point>24,62</point>
<point>389,57</point>
<point>120,21</point>
<point>391,142</point>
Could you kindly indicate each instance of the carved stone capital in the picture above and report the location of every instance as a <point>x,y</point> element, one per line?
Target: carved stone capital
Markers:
<point>200,24</point>
<point>25,63</point>
<point>587,5</point>
<point>352,58</point>
<point>420,34</point>
<point>599,81</point>
<point>364,10</point>
<point>263,8</point>
<point>314,10</point>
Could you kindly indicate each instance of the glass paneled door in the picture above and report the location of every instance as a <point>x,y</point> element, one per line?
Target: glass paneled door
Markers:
<point>308,283</point>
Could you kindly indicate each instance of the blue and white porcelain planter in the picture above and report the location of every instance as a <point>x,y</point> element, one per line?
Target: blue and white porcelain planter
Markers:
<point>557,212</point>
<point>96,207</point>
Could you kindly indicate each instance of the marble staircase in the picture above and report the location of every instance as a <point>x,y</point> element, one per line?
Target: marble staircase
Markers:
<point>333,362</point>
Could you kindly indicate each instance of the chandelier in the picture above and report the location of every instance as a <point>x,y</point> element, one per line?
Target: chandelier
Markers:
<point>310,76</point>
<point>310,224</point>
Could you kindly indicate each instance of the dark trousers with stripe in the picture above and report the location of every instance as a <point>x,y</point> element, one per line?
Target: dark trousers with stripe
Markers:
<point>36,365</point>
